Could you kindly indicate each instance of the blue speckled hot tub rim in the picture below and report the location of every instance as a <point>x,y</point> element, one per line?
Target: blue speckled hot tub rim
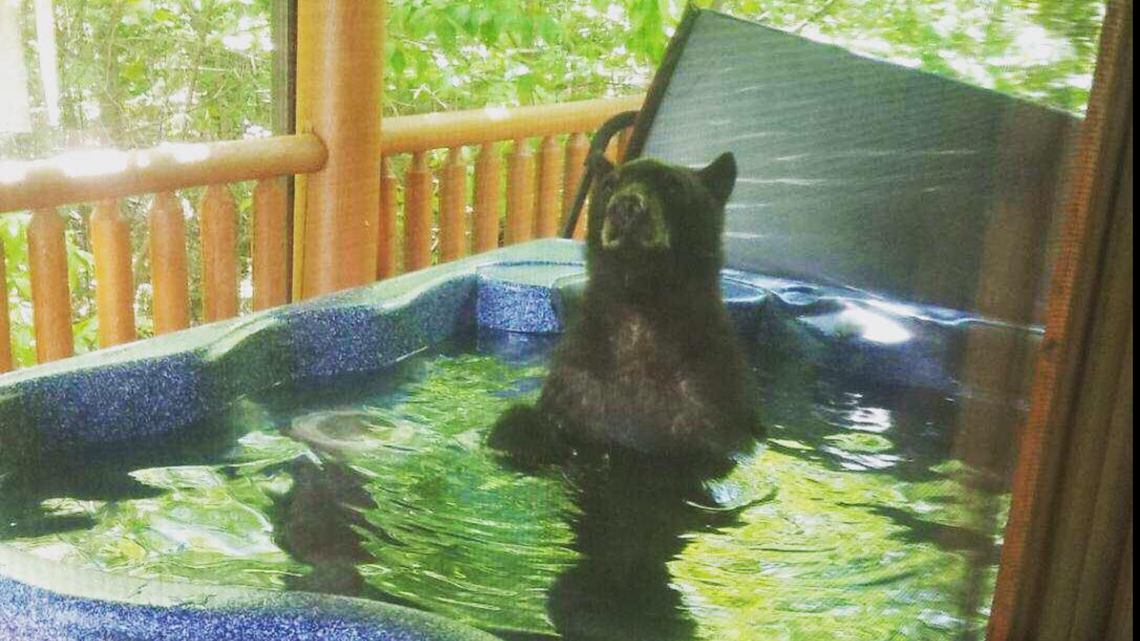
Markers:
<point>45,601</point>
<point>153,387</point>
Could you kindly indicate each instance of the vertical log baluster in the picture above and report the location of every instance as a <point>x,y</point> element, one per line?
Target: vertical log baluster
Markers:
<point>576,149</point>
<point>219,253</point>
<point>386,226</point>
<point>488,197</point>
<point>270,244</point>
<point>453,207</point>
<point>549,202</point>
<point>417,214</point>
<point>520,193</point>
<point>168,272</point>
<point>51,299</point>
<point>114,285</point>
<point>5,328</point>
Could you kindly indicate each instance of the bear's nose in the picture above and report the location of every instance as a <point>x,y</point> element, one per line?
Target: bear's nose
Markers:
<point>625,212</point>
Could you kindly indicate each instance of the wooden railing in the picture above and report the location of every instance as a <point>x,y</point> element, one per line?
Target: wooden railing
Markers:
<point>107,176</point>
<point>430,149</point>
<point>545,155</point>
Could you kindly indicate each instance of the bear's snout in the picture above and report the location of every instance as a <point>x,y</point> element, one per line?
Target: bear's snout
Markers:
<point>625,211</point>
<point>630,221</point>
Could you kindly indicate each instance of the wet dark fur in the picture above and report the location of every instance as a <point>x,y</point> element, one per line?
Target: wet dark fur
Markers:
<point>653,363</point>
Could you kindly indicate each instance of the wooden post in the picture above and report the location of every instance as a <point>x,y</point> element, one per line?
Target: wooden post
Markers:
<point>168,272</point>
<point>576,149</point>
<point>340,74</point>
<point>417,213</point>
<point>548,203</point>
<point>114,285</point>
<point>520,193</point>
<point>488,197</point>
<point>453,207</point>
<point>386,253</point>
<point>270,242</point>
<point>1071,506</point>
<point>219,254</point>
<point>51,299</point>
<point>5,328</point>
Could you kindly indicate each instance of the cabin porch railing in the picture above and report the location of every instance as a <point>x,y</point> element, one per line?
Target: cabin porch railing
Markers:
<point>481,202</point>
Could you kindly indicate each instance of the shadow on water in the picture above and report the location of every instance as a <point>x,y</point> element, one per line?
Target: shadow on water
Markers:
<point>947,537</point>
<point>98,473</point>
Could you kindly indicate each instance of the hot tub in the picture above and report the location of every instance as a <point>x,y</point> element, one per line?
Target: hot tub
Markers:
<point>116,404</point>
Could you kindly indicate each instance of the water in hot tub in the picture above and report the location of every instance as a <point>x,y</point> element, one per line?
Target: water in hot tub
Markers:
<point>853,521</point>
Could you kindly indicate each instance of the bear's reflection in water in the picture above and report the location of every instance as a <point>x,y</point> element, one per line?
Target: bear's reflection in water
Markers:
<point>634,513</point>
<point>629,515</point>
<point>318,521</point>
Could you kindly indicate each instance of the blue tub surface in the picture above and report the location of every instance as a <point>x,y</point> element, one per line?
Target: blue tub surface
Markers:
<point>43,601</point>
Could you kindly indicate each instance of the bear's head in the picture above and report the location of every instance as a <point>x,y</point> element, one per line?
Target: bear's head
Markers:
<point>650,220</point>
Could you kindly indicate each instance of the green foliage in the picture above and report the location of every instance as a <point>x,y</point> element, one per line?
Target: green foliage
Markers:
<point>19,287</point>
<point>505,52</point>
<point>135,73</point>
<point>1040,50</point>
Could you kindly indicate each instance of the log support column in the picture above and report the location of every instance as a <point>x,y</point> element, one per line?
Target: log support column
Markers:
<point>339,80</point>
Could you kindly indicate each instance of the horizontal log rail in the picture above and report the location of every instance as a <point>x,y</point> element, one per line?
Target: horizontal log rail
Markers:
<point>450,184</point>
<point>444,130</point>
<point>89,176</point>
<point>107,176</point>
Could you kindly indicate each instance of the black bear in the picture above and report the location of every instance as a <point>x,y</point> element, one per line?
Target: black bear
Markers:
<point>653,364</point>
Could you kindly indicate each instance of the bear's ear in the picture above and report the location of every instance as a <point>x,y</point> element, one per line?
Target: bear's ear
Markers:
<point>720,176</point>
<point>600,164</point>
